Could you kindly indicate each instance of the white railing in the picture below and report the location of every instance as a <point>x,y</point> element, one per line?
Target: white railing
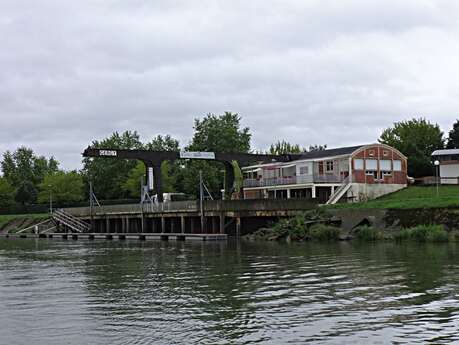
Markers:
<point>301,179</point>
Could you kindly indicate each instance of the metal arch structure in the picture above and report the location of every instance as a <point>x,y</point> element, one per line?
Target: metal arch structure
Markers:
<point>154,159</point>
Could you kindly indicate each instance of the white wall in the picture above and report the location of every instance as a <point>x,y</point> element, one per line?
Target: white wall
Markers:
<point>449,170</point>
<point>363,191</point>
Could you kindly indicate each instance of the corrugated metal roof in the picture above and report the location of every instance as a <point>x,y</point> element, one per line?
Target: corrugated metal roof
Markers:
<point>445,152</point>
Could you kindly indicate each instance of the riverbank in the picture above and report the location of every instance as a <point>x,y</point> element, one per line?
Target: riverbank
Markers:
<point>14,222</point>
<point>413,197</point>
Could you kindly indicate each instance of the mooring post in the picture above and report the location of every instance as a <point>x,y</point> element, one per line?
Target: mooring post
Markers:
<point>238,226</point>
<point>222,223</point>
<point>182,224</point>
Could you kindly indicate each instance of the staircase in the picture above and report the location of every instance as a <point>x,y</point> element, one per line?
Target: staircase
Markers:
<point>338,194</point>
<point>76,225</point>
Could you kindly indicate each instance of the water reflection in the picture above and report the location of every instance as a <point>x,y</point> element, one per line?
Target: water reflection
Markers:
<point>219,293</point>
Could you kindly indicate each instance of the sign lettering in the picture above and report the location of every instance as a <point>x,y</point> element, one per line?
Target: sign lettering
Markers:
<point>108,153</point>
<point>197,155</point>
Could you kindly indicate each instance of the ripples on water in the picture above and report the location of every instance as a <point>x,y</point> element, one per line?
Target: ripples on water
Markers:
<point>54,292</point>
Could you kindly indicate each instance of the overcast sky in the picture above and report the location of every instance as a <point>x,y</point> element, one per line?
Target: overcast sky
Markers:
<point>308,71</point>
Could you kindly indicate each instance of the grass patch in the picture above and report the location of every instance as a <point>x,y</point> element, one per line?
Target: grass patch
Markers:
<point>7,218</point>
<point>323,232</point>
<point>411,197</point>
<point>368,233</point>
<point>423,233</point>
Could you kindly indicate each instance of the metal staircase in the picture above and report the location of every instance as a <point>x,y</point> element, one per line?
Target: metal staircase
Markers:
<point>339,193</point>
<point>71,222</point>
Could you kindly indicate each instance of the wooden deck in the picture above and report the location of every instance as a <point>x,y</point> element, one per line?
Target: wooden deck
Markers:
<point>125,236</point>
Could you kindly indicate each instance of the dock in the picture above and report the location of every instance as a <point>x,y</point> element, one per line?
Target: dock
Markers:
<point>121,237</point>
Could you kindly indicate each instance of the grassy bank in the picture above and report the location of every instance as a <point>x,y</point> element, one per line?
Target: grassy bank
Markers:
<point>411,197</point>
<point>10,222</point>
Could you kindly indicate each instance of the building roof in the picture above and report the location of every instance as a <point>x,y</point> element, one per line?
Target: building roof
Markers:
<point>445,152</point>
<point>329,152</point>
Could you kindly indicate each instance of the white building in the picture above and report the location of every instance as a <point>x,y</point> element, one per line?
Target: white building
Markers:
<point>449,165</point>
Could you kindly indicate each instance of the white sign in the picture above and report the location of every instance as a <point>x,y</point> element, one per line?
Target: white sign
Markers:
<point>108,153</point>
<point>197,155</point>
<point>150,178</point>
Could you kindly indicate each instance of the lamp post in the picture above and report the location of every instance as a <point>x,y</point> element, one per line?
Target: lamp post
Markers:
<point>437,167</point>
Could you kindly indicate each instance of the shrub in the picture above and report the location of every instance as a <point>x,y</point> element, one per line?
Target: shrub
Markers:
<point>322,232</point>
<point>424,233</point>
<point>367,233</point>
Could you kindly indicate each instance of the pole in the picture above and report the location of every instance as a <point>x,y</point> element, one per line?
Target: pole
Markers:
<point>50,199</point>
<point>201,200</point>
<point>437,167</point>
<point>91,203</point>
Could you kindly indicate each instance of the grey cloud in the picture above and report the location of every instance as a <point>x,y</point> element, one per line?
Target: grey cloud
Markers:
<point>327,72</point>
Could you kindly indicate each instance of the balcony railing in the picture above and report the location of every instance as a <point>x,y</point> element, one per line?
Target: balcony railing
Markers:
<point>302,179</point>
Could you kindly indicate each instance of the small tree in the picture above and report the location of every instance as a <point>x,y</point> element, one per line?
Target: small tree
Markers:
<point>65,187</point>
<point>6,193</point>
<point>453,137</point>
<point>26,193</point>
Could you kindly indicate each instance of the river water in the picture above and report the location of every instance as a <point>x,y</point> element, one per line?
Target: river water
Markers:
<point>77,292</point>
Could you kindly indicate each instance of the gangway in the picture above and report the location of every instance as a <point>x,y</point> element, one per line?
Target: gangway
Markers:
<point>66,219</point>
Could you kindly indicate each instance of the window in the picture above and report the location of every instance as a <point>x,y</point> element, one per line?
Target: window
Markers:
<point>304,170</point>
<point>329,166</point>
<point>373,173</point>
<point>397,165</point>
<point>385,153</point>
<point>371,164</point>
<point>371,153</point>
<point>385,165</point>
<point>358,164</point>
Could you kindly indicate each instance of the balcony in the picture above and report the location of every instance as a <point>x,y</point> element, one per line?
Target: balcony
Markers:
<point>302,179</point>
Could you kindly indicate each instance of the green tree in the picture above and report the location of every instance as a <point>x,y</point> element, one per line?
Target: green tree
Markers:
<point>316,147</point>
<point>6,193</point>
<point>23,165</point>
<point>109,175</point>
<point>26,193</point>
<point>416,139</point>
<point>283,147</point>
<point>453,137</point>
<point>215,134</point>
<point>220,134</point>
<point>65,187</point>
<point>136,175</point>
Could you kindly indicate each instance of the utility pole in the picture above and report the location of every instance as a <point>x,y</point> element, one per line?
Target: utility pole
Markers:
<point>201,199</point>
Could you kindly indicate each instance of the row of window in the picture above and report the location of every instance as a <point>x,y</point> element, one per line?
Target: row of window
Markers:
<point>385,165</point>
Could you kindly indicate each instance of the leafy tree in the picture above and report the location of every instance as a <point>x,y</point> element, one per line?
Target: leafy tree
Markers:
<point>23,165</point>
<point>220,134</point>
<point>65,187</point>
<point>316,147</point>
<point>284,147</point>
<point>416,139</point>
<point>26,193</point>
<point>132,184</point>
<point>109,175</point>
<point>216,134</point>
<point>6,193</point>
<point>163,143</point>
<point>453,137</point>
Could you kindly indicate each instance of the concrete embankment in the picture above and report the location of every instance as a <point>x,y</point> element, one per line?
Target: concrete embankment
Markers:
<point>397,218</point>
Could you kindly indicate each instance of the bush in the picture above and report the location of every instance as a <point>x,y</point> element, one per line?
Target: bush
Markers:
<point>322,232</point>
<point>424,233</point>
<point>367,233</point>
